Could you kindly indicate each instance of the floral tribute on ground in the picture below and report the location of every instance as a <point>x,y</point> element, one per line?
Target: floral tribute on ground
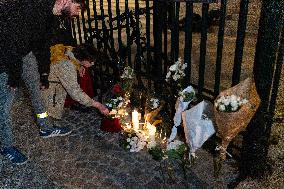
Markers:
<point>147,127</point>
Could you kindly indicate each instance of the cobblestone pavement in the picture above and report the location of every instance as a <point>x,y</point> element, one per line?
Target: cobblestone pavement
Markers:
<point>90,158</point>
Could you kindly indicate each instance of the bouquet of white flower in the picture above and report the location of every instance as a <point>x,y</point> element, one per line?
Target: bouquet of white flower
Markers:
<point>233,110</point>
<point>230,103</point>
<point>176,71</point>
<point>186,96</point>
<point>197,126</point>
<point>135,141</point>
<point>115,103</point>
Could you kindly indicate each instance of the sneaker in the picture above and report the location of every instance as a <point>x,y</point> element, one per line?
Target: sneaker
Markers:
<point>54,131</point>
<point>14,155</point>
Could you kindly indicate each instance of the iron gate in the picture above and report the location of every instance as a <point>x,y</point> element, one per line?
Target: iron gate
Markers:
<point>150,35</point>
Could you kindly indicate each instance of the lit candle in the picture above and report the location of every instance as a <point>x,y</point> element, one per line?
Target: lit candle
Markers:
<point>135,120</point>
<point>152,131</point>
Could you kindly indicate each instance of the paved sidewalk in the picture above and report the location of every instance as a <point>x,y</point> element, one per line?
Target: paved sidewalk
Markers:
<point>90,158</point>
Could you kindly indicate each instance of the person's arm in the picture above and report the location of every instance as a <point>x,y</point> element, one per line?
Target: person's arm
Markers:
<point>67,75</point>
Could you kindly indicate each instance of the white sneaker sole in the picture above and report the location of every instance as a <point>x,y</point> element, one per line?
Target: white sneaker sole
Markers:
<point>55,135</point>
<point>22,163</point>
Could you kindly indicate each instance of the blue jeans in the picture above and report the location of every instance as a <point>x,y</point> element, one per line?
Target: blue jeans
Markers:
<point>6,100</point>
<point>31,78</point>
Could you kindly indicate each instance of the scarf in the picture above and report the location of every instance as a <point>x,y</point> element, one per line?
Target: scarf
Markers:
<point>60,52</point>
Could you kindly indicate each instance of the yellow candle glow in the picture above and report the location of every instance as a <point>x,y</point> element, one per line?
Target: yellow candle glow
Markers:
<point>135,120</point>
<point>152,131</point>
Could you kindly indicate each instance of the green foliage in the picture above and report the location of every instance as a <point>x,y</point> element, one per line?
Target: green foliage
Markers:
<point>156,152</point>
<point>178,153</point>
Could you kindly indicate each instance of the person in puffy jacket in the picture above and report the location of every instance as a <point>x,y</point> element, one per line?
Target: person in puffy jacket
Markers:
<point>66,62</point>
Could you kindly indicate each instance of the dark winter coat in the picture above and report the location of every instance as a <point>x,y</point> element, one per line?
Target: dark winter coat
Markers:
<point>25,25</point>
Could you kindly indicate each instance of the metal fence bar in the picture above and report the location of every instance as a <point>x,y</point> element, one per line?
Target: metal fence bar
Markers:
<point>188,41</point>
<point>96,22</point>
<point>277,75</point>
<point>128,33</point>
<point>74,31</point>
<point>148,40</point>
<point>220,47</point>
<point>79,29</point>
<point>118,22</point>
<point>84,25</point>
<point>173,30</point>
<point>89,21</point>
<point>138,40</point>
<point>111,29</point>
<point>205,8</point>
<point>104,28</point>
<point>176,25</point>
<point>240,41</point>
<point>267,47</point>
<point>165,51</point>
<point>159,12</point>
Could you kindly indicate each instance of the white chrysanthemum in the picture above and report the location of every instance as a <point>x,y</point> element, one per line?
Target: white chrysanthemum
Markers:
<point>173,67</point>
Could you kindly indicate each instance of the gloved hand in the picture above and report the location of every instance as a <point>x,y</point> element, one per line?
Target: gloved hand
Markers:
<point>44,83</point>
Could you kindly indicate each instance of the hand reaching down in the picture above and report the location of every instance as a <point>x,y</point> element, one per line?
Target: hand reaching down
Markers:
<point>101,108</point>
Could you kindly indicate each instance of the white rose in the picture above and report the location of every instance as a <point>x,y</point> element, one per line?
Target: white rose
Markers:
<point>234,108</point>
<point>216,104</point>
<point>234,103</point>
<point>120,104</point>
<point>233,98</point>
<point>184,66</point>
<point>168,75</point>
<point>244,101</point>
<point>132,150</point>
<point>226,102</point>
<point>222,108</point>
<point>173,67</point>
